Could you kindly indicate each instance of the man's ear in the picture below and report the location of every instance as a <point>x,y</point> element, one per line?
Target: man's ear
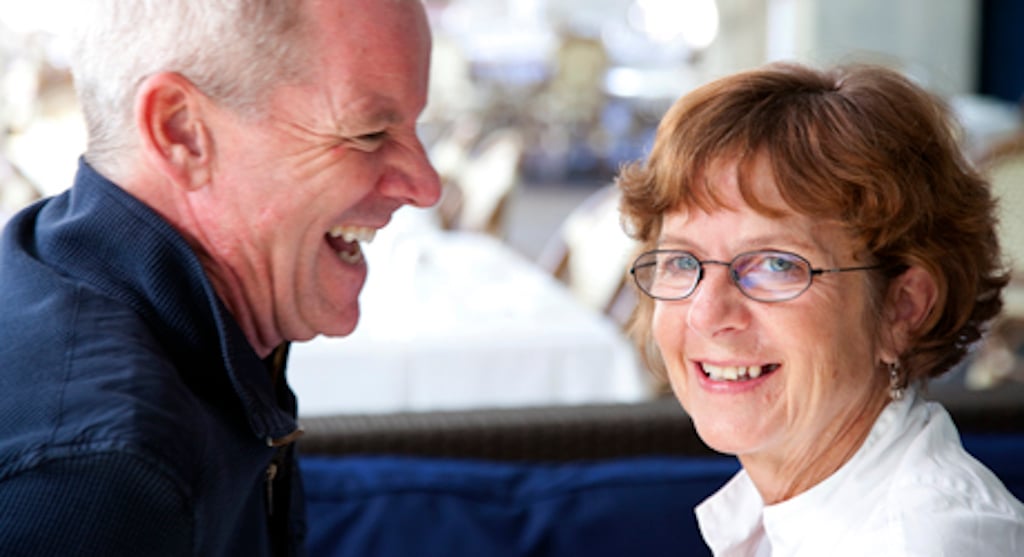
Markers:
<point>174,134</point>
<point>909,302</point>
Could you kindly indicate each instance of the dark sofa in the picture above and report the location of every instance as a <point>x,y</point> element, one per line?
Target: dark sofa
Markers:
<point>596,480</point>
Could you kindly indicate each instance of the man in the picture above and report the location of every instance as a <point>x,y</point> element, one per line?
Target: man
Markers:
<point>239,152</point>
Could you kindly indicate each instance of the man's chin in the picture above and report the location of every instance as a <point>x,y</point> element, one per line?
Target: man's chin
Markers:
<point>344,326</point>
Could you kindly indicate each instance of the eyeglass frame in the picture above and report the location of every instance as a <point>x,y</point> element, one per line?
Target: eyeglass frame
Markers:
<point>734,276</point>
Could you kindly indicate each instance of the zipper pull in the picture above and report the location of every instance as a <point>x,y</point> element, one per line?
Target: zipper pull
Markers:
<point>271,474</point>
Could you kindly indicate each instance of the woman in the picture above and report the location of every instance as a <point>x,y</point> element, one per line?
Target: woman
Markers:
<point>815,248</point>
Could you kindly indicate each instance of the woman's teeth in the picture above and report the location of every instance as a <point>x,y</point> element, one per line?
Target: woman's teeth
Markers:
<point>735,373</point>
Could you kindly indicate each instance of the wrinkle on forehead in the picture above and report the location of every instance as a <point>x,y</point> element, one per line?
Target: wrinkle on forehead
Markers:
<point>369,69</point>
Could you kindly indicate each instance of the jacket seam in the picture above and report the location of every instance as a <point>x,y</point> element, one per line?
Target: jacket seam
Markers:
<point>69,361</point>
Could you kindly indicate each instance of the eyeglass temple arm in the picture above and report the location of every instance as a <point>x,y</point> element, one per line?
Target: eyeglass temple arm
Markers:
<point>845,269</point>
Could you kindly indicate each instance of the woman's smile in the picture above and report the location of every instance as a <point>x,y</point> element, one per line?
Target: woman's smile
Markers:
<point>739,373</point>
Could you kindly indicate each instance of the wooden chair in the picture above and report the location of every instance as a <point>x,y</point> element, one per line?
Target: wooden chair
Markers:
<point>486,181</point>
<point>1001,358</point>
<point>450,154</point>
<point>590,253</point>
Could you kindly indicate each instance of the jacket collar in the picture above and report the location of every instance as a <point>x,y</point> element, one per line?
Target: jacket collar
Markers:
<point>128,251</point>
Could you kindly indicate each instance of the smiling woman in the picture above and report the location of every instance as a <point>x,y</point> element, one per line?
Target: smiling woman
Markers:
<point>801,234</point>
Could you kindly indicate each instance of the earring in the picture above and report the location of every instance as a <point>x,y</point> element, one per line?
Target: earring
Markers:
<point>895,381</point>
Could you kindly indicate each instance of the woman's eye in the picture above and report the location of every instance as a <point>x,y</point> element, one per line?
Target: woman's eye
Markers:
<point>684,263</point>
<point>779,264</point>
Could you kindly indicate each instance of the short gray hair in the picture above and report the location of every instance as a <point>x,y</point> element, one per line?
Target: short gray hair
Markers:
<point>234,51</point>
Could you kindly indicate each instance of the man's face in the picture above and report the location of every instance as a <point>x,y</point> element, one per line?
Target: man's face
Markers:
<point>293,191</point>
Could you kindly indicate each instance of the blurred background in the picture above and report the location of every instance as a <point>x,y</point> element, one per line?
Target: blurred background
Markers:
<point>512,291</point>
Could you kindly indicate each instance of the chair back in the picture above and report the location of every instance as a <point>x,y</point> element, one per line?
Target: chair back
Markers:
<point>487,180</point>
<point>1000,358</point>
<point>1003,163</point>
<point>590,253</point>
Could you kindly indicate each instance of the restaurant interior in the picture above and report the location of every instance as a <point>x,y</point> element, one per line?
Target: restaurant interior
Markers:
<point>493,323</point>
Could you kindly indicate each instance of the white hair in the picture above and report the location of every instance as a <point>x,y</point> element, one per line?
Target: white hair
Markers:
<point>234,51</point>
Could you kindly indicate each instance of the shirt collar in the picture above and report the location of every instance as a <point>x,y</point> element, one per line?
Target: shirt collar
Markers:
<point>734,521</point>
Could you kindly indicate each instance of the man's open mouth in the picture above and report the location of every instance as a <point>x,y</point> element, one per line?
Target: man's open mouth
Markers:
<point>346,240</point>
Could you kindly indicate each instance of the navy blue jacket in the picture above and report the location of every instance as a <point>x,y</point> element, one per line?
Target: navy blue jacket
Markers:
<point>135,418</point>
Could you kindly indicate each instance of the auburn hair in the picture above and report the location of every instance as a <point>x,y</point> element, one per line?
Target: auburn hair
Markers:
<point>860,145</point>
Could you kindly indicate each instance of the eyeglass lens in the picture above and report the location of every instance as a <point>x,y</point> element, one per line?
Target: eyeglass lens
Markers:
<point>761,275</point>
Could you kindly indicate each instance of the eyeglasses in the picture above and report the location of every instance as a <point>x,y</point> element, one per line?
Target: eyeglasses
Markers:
<point>764,275</point>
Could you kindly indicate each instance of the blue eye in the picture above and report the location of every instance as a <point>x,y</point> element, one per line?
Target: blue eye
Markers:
<point>761,266</point>
<point>682,262</point>
<point>779,264</point>
<point>772,266</point>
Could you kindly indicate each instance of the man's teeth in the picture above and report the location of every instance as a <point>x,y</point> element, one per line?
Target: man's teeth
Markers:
<point>734,373</point>
<point>354,233</point>
<point>351,252</point>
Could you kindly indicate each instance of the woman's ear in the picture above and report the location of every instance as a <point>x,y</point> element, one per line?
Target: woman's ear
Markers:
<point>174,136</point>
<point>909,301</point>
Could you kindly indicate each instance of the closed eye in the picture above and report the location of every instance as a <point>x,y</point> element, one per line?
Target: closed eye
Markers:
<point>370,141</point>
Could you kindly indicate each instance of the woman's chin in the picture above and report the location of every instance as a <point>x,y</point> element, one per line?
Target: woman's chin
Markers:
<point>726,440</point>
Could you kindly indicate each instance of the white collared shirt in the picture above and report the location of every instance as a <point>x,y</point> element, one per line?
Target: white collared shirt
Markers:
<point>911,489</point>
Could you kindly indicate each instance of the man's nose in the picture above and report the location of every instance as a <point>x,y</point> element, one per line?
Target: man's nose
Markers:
<point>414,181</point>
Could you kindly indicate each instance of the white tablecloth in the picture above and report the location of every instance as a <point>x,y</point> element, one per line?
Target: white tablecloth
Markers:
<point>453,320</point>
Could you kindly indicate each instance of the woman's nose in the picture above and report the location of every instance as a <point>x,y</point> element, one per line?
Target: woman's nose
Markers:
<point>717,305</point>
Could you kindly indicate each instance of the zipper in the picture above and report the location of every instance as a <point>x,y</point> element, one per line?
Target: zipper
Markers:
<point>271,475</point>
<point>277,493</point>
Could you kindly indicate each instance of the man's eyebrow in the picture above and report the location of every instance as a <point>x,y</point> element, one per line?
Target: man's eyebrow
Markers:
<point>376,111</point>
<point>364,114</point>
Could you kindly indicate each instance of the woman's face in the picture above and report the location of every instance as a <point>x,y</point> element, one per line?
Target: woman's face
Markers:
<point>820,385</point>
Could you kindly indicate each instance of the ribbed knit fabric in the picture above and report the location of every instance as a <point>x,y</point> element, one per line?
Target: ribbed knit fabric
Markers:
<point>135,416</point>
<point>128,489</point>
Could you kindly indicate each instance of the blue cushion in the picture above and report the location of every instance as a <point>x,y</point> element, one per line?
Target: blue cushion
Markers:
<point>402,506</point>
<point>1003,453</point>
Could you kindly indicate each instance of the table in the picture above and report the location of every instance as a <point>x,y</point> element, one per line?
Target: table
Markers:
<point>456,320</point>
